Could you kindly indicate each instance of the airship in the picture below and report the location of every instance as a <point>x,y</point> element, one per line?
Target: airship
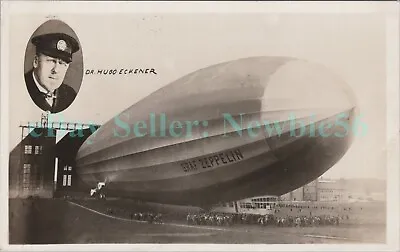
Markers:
<point>243,128</point>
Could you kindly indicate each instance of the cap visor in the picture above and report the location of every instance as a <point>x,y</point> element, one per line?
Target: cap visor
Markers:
<point>57,54</point>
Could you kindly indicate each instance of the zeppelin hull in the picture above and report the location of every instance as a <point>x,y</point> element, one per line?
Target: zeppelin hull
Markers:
<point>230,131</point>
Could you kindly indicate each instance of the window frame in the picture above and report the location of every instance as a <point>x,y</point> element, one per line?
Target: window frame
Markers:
<point>28,149</point>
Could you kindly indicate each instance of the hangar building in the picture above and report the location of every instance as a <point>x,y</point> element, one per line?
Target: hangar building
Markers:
<point>42,165</point>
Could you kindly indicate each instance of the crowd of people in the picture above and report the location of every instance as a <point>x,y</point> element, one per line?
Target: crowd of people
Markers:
<point>229,219</point>
<point>222,219</point>
<point>210,219</point>
<point>149,217</point>
<point>299,221</point>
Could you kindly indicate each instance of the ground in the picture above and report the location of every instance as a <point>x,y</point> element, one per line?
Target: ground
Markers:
<point>63,221</point>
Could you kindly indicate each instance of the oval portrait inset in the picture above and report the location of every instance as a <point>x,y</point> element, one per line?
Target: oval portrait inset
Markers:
<point>53,66</point>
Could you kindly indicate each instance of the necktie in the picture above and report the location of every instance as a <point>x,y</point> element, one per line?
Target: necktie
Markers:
<point>49,95</point>
<point>50,98</point>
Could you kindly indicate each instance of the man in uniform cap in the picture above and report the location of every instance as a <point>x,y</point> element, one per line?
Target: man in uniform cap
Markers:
<point>50,64</point>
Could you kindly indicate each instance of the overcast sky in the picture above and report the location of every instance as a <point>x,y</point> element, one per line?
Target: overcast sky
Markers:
<point>353,46</point>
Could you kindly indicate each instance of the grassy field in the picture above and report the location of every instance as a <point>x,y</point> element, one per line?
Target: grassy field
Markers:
<point>59,221</point>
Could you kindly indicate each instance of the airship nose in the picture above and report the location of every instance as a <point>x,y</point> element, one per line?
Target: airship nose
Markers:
<point>310,113</point>
<point>303,88</point>
<point>303,98</point>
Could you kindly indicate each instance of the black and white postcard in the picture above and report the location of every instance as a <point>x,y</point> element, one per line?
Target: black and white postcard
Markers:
<point>200,126</point>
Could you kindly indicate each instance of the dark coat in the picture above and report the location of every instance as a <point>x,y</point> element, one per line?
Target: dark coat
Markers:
<point>65,95</point>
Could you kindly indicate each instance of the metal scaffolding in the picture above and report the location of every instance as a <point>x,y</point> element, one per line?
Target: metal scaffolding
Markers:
<point>58,125</point>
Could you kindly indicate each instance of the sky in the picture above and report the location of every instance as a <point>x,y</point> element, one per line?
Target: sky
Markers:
<point>351,45</point>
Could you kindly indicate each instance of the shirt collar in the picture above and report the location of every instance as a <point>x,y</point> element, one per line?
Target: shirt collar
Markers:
<point>40,87</point>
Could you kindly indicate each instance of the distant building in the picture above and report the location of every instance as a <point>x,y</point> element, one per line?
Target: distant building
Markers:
<point>342,190</point>
<point>311,191</point>
<point>31,165</point>
<point>331,190</point>
<point>256,205</point>
<point>295,195</point>
<point>42,166</point>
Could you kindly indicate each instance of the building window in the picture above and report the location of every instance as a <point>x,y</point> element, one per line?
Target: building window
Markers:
<point>67,168</point>
<point>28,149</point>
<point>26,179</point>
<point>38,149</point>
<point>27,168</point>
<point>246,205</point>
<point>26,176</point>
<point>69,180</point>
<point>64,180</point>
<point>26,186</point>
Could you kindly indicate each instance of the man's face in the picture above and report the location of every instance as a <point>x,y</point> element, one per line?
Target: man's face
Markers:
<point>49,71</point>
